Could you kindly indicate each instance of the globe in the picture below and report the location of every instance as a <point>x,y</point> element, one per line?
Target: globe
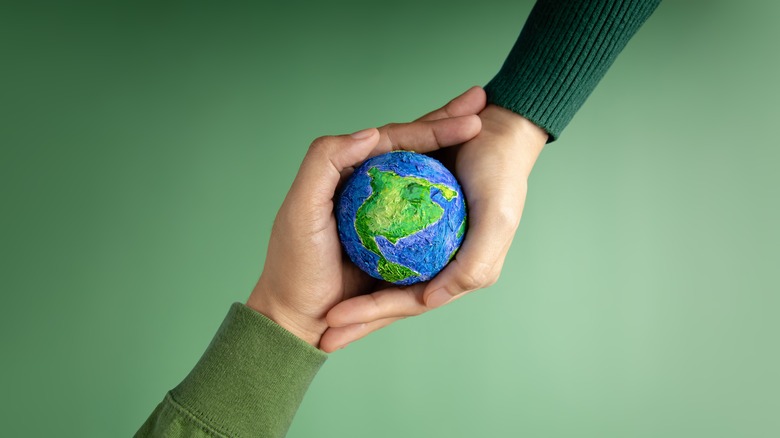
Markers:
<point>401,217</point>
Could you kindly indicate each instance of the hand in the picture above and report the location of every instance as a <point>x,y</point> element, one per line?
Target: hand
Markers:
<point>493,169</point>
<point>305,271</point>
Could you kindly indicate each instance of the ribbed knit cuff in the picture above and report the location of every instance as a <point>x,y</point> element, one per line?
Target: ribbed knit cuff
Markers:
<point>252,377</point>
<point>563,51</point>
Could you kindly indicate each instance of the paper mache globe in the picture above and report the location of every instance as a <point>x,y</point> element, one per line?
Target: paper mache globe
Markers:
<point>401,217</point>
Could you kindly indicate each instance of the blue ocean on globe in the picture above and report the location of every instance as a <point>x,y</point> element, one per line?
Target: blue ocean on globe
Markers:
<point>401,217</point>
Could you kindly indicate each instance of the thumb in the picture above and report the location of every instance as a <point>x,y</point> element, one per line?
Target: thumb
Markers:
<point>327,157</point>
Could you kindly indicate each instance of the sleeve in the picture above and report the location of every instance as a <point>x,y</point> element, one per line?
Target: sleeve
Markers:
<point>563,51</point>
<point>249,382</point>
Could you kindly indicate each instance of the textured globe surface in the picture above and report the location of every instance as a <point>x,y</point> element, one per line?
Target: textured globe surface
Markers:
<point>401,217</point>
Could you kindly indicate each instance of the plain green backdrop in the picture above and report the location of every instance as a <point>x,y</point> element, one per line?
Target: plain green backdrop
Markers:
<point>147,145</point>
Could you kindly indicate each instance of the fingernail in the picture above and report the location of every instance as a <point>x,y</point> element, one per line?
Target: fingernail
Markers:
<point>438,297</point>
<point>363,134</point>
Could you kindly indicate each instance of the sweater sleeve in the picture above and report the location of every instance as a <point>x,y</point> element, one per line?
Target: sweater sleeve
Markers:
<point>563,51</point>
<point>249,382</point>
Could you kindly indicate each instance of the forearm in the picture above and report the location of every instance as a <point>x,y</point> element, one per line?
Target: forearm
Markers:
<point>563,51</point>
<point>249,382</point>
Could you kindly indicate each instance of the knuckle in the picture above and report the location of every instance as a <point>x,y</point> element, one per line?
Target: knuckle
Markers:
<point>506,218</point>
<point>417,306</point>
<point>449,109</point>
<point>320,144</point>
<point>389,130</point>
<point>472,276</point>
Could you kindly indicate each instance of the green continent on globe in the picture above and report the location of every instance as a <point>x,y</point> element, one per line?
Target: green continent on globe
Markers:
<point>399,206</point>
<point>461,232</point>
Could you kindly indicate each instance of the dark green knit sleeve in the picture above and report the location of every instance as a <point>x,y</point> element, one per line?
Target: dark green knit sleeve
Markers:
<point>249,382</point>
<point>563,51</point>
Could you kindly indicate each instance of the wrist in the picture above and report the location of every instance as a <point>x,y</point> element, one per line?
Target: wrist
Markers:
<point>261,301</point>
<point>514,122</point>
<point>520,139</point>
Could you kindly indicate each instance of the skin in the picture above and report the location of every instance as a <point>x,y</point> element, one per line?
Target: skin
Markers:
<point>311,289</point>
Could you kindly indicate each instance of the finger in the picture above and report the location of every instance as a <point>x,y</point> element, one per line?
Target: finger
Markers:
<point>339,337</point>
<point>325,161</point>
<point>481,257</point>
<point>385,303</point>
<point>427,136</point>
<point>471,102</point>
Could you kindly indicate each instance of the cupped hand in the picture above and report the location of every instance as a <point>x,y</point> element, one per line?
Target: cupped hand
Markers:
<point>306,272</point>
<point>493,169</point>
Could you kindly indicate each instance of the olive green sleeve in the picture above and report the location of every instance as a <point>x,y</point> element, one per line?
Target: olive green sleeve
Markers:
<point>563,51</point>
<point>249,382</point>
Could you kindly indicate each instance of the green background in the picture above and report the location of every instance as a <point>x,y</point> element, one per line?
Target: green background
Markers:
<point>147,145</point>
